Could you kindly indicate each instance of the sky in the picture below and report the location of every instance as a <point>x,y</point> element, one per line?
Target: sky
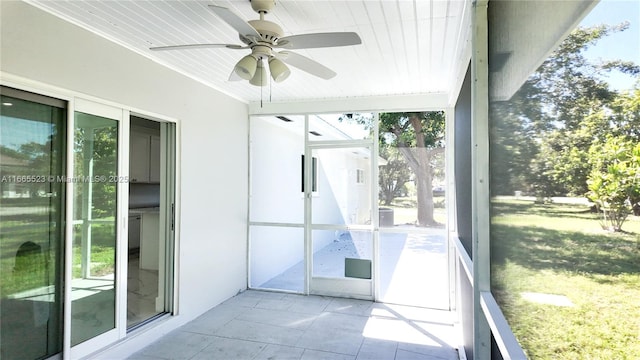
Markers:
<point>623,45</point>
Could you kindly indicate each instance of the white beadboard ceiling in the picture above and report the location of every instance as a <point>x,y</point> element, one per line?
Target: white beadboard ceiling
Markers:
<point>408,47</point>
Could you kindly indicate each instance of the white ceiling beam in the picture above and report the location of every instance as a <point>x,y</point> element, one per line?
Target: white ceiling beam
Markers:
<point>417,102</point>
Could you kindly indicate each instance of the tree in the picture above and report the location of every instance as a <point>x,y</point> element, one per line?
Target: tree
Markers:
<point>418,136</point>
<point>577,100</point>
<point>513,144</point>
<point>394,175</point>
<point>541,137</point>
<point>614,181</point>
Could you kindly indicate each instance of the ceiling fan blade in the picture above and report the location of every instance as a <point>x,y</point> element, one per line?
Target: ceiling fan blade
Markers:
<point>234,77</point>
<point>235,21</point>
<point>197,46</point>
<point>305,64</point>
<point>319,40</point>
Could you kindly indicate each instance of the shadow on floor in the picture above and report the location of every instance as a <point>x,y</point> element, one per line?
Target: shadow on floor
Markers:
<point>264,325</point>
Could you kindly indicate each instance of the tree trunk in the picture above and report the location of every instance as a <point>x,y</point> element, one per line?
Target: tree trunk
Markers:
<point>388,197</point>
<point>419,159</point>
<point>425,196</point>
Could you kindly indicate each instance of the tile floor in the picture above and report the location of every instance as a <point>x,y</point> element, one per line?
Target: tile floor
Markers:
<point>265,325</point>
<point>142,291</point>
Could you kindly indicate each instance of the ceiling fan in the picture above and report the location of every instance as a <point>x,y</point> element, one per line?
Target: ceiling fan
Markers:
<point>263,37</point>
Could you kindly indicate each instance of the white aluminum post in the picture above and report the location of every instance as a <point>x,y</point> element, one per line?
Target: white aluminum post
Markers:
<point>375,221</point>
<point>450,202</point>
<point>480,176</point>
<point>308,191</point>
<point>68,232</point>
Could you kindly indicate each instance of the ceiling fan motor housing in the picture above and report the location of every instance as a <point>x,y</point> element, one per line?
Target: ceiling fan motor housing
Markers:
<point>269,31</point>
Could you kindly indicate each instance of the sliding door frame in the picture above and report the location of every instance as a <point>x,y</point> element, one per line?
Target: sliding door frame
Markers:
<point>121,116</point>
<point>96,106</point>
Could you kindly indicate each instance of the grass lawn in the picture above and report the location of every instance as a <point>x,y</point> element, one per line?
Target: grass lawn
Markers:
<point>405,210</point>
<point>560,249</point>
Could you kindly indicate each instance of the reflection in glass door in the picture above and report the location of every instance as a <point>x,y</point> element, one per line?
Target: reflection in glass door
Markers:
<point>95,180</point>
<point>32,143</point>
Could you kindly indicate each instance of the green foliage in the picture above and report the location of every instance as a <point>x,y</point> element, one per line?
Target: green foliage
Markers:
<point>419,137</point>
<point>97,147</point>
<point>394,176</point>
<point>542,135</point>
<point>413,129</point>
<point>614,182</point>
<point>625,115</point>
<point>511,148</point>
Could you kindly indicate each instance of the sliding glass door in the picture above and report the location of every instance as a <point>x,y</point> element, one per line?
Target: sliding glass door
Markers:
<point>32,154</point>
<point>95,195</point>
<point>64,192</point>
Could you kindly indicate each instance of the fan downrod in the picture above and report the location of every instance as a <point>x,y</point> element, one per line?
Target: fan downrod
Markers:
<point>262,6</point>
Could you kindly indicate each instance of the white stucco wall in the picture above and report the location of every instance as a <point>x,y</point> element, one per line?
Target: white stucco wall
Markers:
<point>213,129</point>
<point>340,199</point>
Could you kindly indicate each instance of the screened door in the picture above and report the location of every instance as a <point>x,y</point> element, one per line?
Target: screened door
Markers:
<point>341,229</point>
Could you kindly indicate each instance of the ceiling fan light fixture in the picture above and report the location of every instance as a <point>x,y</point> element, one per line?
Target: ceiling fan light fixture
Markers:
<point>279,71</point>
<point>260,78</point>
<point>246,67</point>
<point>262,37</point>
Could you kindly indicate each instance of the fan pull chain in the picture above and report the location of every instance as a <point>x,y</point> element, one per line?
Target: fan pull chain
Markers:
<point>270,89</point>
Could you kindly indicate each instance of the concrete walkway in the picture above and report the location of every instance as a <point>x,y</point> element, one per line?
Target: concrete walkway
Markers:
<point>413,266</point>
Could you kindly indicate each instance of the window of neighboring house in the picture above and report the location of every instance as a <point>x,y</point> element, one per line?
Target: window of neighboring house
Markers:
<point>359,176</point>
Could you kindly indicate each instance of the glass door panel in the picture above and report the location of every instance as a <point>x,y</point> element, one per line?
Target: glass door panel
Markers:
<point>93,295</point>
<point>32,144</point>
